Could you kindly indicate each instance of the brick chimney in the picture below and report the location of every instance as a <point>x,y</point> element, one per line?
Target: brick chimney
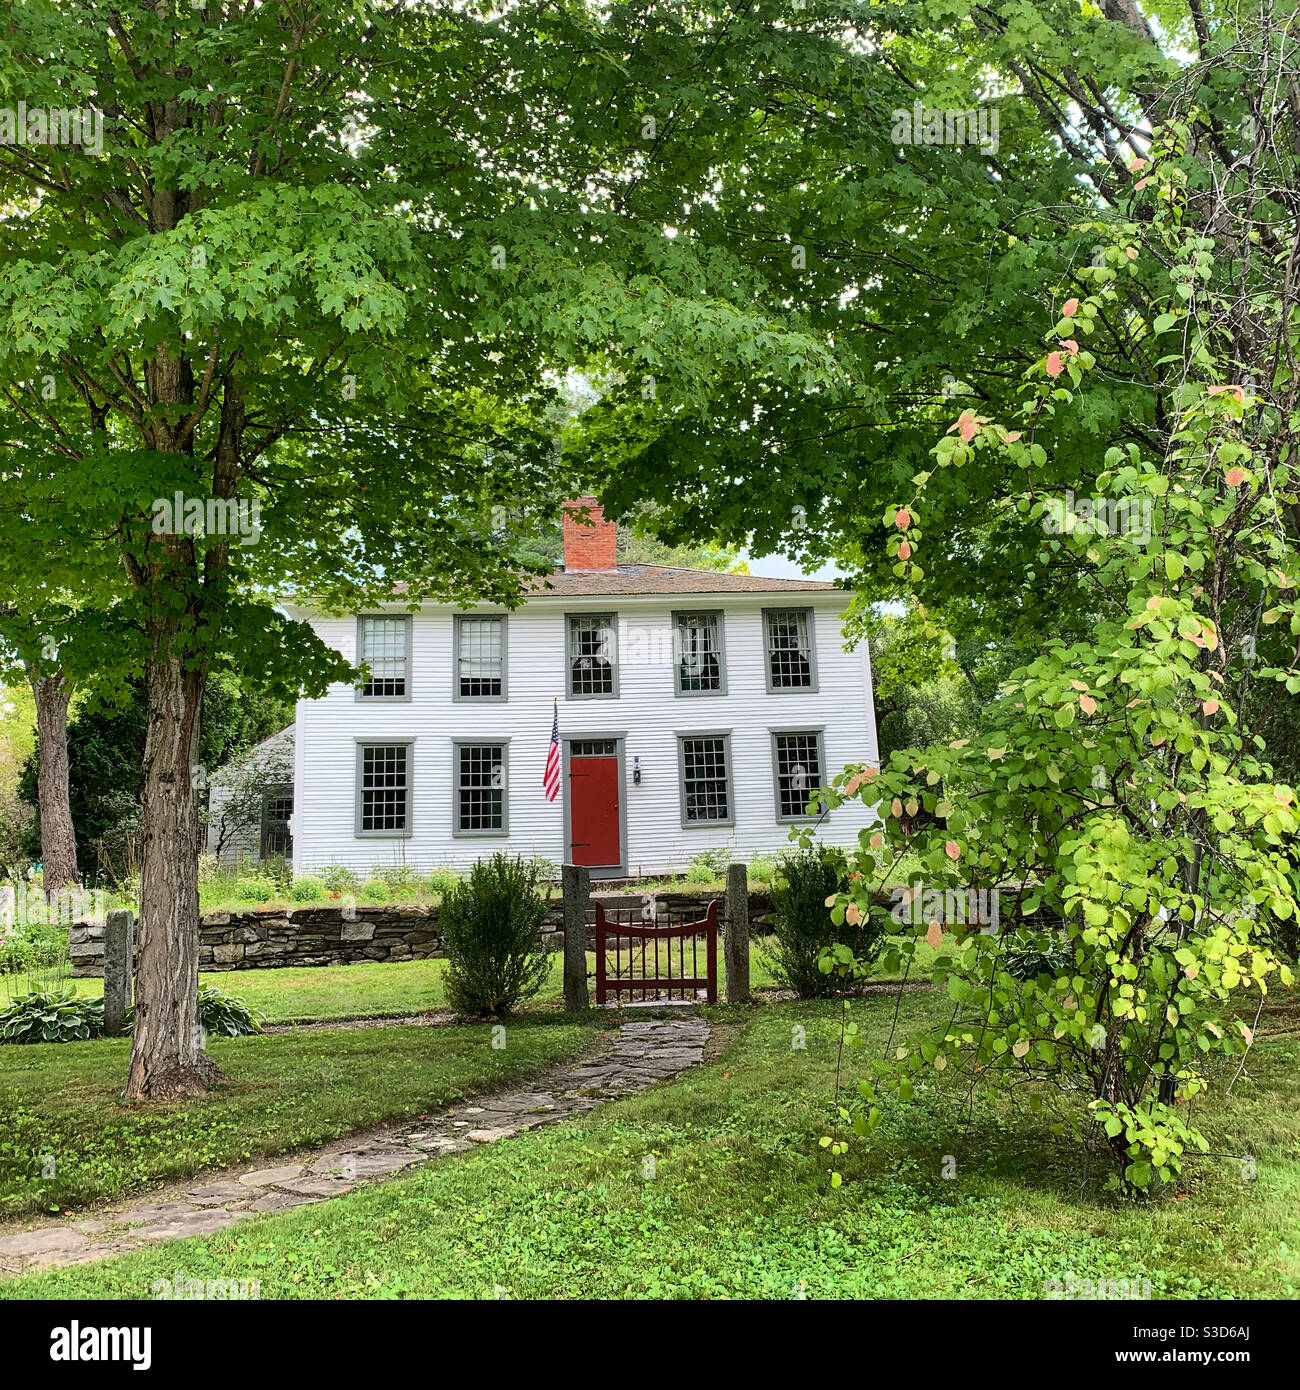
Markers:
<point>590,543</point>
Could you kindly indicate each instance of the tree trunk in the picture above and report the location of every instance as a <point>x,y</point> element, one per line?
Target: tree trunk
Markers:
<point>58,837</point>
<point>167,1057</point>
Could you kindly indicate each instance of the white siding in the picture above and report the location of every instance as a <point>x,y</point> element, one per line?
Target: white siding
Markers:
<point>647,713</point>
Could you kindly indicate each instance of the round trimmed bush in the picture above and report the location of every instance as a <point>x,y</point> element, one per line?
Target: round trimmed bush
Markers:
<point>374,890</point>
<point>254,890</point>
<point>306,890</point>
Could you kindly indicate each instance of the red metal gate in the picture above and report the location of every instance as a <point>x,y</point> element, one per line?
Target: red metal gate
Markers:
<point>636,958</point>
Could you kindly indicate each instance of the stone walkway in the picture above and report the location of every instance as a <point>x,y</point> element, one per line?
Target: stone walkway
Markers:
<point>644,1051</point>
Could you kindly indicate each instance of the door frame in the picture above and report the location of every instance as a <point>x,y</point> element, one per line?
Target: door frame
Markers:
<point>618,737</point>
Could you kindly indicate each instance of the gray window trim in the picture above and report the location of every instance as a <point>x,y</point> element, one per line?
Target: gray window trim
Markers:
<point>819,731</point>
<point>480,742</point>
<point>619,736</point>
<point>569,618</point>
<point>376,741</point>
<point>719,616</point>
<point>811,688</point>
<point>457,697</point>
<point>725,736</point>
<point>359,692</point>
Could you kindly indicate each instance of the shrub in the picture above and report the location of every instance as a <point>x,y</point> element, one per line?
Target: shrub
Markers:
<point>1029,954</point>
<point>802,925</point>
<point>28,946</point>
<point>280,871</point>
<point>339,879</point>
<point>491,922</point>
<point>400,878</point>
<point>761,870</point>
<point>254,890</point>
<point>51,1016</point>
<point>306,890</point>
<point>223,1013</point>
<point>441,881</point>
<point>65,1016</point>
<point>708,865</point>
<point>374,890</point>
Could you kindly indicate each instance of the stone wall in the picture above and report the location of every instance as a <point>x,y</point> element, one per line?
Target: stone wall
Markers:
<point>263,938</point>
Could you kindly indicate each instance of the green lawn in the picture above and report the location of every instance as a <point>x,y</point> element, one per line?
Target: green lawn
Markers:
<point>316,993</point>
<point>740,1206</point>
<point>287,1090</point>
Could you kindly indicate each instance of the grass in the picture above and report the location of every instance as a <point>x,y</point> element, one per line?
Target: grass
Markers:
<point>739,1205</point>
<point>288,1090</point>
<point>310,994</point>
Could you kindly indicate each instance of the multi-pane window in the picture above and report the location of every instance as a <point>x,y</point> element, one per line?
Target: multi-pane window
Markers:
<point>384,645</point>
<point>593,659</point>
<point>789,649</point>
<point>706,790</point>
<point>798,772</point>
<point>480,657</point>
<point>480,770</point>
<point>385,776</point>
<point>699,654</point>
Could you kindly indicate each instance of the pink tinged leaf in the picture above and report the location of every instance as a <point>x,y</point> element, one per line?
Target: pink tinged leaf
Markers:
<point>968,425</point>
<point>1141,184</point>
<point>1136,165</point>
<point>1210,707</point>
<point>1011,438</point>
<point>1078,685</point>
<point>935,935</point>
<point>903,519</point>
<point>1192,971</point>
<point>1069,308</point>
<point>904,550</point>
<point>1235,477</point>
<point>1071,347</point>
<point>1054,367</point>
<point>952,849</point>
<point>1087,704</point>
<point>1131,252</point>
<point>1236,392</point>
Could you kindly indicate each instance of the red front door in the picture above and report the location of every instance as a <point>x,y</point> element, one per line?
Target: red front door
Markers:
<point>593,807</point>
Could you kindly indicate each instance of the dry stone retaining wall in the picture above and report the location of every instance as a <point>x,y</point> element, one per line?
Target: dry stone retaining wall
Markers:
<point>266,937</point>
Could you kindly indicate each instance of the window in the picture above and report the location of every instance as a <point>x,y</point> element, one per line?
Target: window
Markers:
<point>698,654</point>
<point>480,771</point>
<point>790,660</point>
<point>480,658</point>
<point>384,644</point>
<point>277,808</point>
<point>706,780</point>
<point>593,658</point>
<point>384,780</point>
<point>798,759</point>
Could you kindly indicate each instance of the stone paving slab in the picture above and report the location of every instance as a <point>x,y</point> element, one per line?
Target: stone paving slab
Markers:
<point>645,1051</point>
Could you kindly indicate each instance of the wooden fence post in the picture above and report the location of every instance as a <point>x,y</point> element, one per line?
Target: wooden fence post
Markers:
<point>737,938</point>
<point>119,966</point>
<point>576,884</point>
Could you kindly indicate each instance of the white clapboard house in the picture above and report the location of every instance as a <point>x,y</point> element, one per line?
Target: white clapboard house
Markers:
<point>696,711</point>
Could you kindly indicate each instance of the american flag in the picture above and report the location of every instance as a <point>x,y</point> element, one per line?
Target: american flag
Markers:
<point>551,777</point>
